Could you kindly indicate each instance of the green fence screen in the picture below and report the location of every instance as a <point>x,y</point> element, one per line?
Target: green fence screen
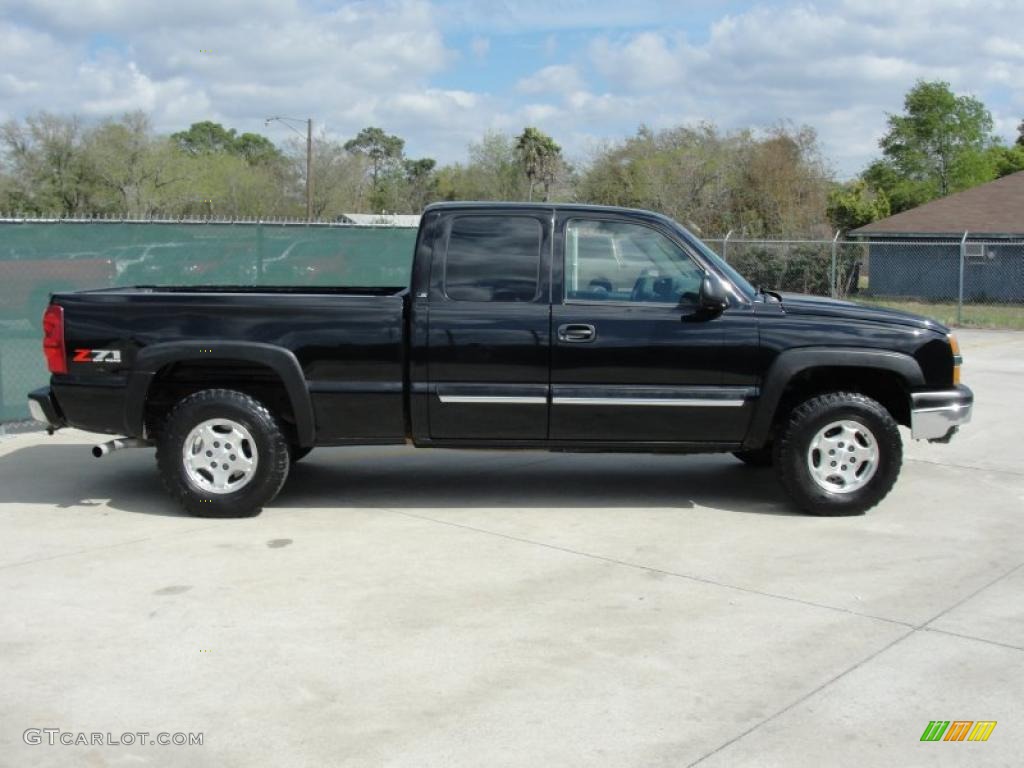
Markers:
<point>38,258</point>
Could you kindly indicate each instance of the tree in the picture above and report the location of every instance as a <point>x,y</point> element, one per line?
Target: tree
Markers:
<point>137,173</point>
<point>937,146</point>
<point>1020,134</point>
<point>713,182</point>
<point>207,138</point>
<point>903,193</point>
<point>491,173</point>
<point>1007,160</point>
<point>421,183</point>
<point>783,182</point>
<point>855,204</point>
<point>342,178</point>
<point>49,170</point>
<point>256,149</point>
<point>382,149</point>
<point>384,152</point>
<point>540,158</point>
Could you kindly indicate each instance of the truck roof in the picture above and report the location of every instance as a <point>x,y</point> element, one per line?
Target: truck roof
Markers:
<point>582,207</point>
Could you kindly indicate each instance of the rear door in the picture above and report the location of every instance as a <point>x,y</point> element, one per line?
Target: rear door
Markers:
<point>489,326</point>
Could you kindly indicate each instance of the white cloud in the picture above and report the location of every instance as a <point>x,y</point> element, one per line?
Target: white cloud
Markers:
<point>113,16</point>
<point>557,78</point>
<point>505,16</point>
<point>345,66</point>
<point>601,68</point>
<point>647,61</point>
<point>838,67</point>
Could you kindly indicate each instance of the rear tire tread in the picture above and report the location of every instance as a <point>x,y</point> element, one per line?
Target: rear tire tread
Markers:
<point>274,456</point>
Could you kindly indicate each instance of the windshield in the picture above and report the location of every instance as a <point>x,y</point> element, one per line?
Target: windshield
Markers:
<point>737,279</point>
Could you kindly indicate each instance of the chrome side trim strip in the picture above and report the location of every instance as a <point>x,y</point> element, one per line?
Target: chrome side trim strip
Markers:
<point>674,402</point>
<point>493,399</point>
<point>678,402</point>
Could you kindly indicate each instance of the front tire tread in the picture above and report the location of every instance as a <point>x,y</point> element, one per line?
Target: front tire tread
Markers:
<point>791,447</point>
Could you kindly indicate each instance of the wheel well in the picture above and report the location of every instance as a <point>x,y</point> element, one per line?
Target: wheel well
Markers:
<point>176,381</point>
<point>887,387</point>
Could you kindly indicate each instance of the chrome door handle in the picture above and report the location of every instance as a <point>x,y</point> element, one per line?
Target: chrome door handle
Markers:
<point>576,332</point>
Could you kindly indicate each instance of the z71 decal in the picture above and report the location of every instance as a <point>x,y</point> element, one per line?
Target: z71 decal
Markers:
<point>97,356</point>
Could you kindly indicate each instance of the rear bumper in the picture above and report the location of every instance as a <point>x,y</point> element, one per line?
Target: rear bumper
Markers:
<point>936,415</point>
<point>44,408</point>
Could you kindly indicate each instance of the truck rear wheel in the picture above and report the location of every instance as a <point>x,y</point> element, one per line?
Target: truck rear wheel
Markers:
<point>222,454</point>
<point>838,454</point>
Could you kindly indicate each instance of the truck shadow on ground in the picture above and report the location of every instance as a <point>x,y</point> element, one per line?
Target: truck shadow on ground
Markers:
<point>67,476</point>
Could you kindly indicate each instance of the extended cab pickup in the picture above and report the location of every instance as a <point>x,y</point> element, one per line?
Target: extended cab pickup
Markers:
<point>532,326</point>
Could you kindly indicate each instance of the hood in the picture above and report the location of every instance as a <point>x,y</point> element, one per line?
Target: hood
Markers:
<point>800,304</point>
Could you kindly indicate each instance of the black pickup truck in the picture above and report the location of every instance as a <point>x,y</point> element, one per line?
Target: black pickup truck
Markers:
<point>534,326</point>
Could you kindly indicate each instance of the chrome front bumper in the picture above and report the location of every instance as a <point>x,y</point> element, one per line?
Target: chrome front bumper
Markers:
<point>937,415</point>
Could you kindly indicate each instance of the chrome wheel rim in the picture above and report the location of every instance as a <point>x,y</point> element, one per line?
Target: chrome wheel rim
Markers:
<point>220,456</point>
<point>843,456</point>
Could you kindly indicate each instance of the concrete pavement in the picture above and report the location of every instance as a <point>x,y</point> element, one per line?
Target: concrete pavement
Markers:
<point>406,608</point>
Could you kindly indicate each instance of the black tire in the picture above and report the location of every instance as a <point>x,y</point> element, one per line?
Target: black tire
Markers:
<point>271,454</point>
<point>758,457</point>
<point>793,464</point>
<point>297,453</point>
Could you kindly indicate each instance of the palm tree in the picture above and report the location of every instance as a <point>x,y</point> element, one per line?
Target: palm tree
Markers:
<point>539,156</point>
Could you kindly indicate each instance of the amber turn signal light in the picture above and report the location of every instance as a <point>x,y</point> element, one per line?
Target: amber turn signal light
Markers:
<point>954,346</point>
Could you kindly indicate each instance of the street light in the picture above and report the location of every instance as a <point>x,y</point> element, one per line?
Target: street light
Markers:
<point>309,155</point>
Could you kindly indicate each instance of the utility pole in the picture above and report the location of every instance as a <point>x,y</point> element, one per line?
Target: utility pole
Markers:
<point>309,155</point>
<point>309,169</point>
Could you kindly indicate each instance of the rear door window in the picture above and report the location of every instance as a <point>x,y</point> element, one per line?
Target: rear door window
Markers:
<point>493,258</point>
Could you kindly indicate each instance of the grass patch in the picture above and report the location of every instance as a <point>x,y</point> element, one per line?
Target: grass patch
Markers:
<point>994,316</point>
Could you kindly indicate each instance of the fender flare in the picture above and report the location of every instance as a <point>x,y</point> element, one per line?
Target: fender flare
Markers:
<point>794,361</point>
<point>282,361</point>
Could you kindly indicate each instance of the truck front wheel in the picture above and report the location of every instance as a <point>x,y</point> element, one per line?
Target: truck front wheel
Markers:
<point>838,454</point>
<point>222,454</point>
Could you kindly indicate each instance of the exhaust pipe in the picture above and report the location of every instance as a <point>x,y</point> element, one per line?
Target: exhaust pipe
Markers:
<point>118,445</point>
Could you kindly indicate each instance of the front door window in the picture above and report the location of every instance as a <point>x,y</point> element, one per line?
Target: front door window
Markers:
<point>624,262</point>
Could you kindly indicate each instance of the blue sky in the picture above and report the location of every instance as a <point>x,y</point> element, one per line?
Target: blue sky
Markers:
<point>442,72</point>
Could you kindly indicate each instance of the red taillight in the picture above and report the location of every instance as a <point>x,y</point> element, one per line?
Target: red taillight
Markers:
<point>53,339</point>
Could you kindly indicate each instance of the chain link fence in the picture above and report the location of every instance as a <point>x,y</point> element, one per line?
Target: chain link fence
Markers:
<point>962,281</point>
<point>958,282</point>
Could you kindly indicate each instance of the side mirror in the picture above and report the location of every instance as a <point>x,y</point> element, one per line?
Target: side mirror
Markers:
<point>713,296</point>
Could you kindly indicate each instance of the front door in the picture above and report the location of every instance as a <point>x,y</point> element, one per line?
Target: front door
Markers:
<point>633,357</point>
<point>489,327</point>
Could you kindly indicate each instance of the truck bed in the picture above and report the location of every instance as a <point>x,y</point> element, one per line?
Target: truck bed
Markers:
<point>249,289</point>
<point>348,342</point>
